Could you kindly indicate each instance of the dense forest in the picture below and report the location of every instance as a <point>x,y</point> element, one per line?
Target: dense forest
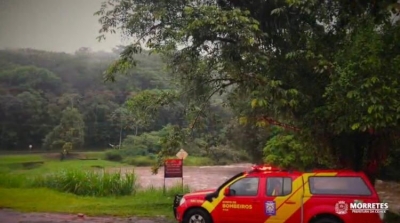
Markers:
<point>300,84</point>
<point>48,97</point>
<point>54,101</point>
<point>327,71</point>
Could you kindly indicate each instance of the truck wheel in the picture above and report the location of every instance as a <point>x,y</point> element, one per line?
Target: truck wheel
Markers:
<point>326,220</point>
<point>197,216</point>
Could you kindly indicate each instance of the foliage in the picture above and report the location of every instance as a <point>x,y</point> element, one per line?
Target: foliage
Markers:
<point>291,151</point>
<point>69,133</point>
<point>327,67</point>
<point>89,183</point>
<point>83,183</point>
<point>224,155</point>
<point>389,171</point>
<point>144,144</point>
<point>37,86</point>
<point>22,164</point>
<point>113,155</point>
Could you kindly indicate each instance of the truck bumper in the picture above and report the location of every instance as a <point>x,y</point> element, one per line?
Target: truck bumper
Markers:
<point>175,207</point>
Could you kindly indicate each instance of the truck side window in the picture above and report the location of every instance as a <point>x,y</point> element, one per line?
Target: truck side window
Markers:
<point>245,187</point>
<point>279,186</point>
<point>328,185</point>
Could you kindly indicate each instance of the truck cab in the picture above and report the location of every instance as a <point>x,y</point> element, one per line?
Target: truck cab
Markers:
<point>271,195</point>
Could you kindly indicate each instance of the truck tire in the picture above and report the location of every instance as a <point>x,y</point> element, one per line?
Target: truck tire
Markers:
<point>197,215</point>
<point>326,220</point>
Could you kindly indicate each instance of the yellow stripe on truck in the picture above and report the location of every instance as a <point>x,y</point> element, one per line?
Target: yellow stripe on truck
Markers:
<point>210,206</point>
<point>285,211</point>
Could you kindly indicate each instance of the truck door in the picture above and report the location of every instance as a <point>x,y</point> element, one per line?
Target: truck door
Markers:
<point>282,198</point>
<point>243,203</point>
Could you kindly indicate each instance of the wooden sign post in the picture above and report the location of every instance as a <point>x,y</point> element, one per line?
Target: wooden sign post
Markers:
<point>173,168</point>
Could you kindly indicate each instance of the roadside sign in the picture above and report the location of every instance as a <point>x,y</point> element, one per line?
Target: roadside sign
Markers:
<point>182,154</point>
<point>173,168</point>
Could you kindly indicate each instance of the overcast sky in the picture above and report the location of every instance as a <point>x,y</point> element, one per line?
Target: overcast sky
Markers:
<point>54,25</point>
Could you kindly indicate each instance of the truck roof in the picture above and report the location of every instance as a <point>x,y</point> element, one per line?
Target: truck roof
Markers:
<point>267,169</point>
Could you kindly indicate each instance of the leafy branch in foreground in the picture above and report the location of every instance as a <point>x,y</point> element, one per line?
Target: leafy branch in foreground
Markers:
<point>309,62</point>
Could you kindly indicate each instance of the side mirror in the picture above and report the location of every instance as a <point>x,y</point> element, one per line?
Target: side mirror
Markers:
<point>227,191</point>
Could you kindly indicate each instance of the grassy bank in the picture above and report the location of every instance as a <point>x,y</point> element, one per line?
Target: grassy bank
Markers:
<point>38,164</point>
<point>43,183</point>
<point>125,156</point>
<point>150,202</point>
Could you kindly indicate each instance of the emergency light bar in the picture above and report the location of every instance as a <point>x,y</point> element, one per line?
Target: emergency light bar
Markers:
<point>260,168</point>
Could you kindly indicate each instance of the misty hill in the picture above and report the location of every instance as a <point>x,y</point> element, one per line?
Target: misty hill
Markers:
<point>36,87</point>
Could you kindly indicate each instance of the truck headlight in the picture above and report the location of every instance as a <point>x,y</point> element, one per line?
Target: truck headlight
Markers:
<point>182,201</point>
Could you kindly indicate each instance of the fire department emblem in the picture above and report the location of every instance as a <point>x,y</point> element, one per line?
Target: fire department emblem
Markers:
<point>270,208</point>
<point>341,207</point>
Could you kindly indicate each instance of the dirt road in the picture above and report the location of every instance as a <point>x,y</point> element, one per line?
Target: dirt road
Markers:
<point>9,216</point>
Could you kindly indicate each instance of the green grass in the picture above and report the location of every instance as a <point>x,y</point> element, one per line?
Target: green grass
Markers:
<point>89,183</point>
<point>17,164</point>
<point>53,166</point>
<point>81,186</point>
<point>79,182</point>
<point>149,202</point>
<point>198,161</point>
<point>78,186</point>
<point>92,155</point>
<point>140,161</point>
<point>8,159</point>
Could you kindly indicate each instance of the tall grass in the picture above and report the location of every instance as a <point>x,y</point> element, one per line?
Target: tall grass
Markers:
<point>14,181</point>
<point>89,183</point>
<point>169,191</point>
<point>84,183</point>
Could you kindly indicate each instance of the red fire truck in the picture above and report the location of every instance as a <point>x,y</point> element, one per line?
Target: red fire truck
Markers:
<point>267,194</point>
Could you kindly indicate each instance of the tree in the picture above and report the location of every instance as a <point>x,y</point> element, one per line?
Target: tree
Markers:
<point>36,86</point>
<point>69,133</point>
<point>310,63</point>
<point>24,108</point>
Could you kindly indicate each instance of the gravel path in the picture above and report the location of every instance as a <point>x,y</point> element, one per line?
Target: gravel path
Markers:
<point>10,216</point>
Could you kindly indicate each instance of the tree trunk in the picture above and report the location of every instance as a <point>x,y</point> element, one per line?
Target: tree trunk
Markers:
<point>120,138</point>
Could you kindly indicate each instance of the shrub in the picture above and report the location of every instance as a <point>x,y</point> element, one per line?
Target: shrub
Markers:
<point>142,144</point>
<point>223,155</point>
<point>89,183</point>
<point>113,155</point>
<point>198,161</point>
